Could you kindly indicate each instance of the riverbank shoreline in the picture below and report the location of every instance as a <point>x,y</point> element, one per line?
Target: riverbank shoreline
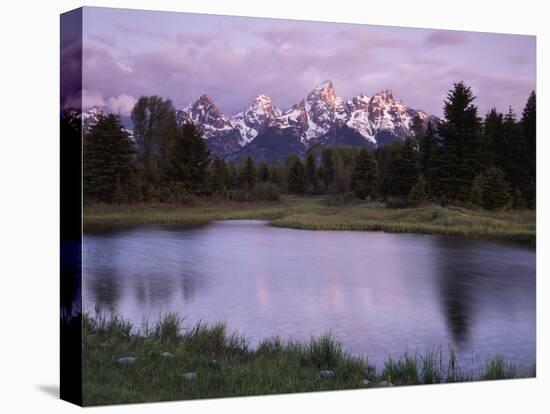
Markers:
<point>314,213</point>
<point>165,361</point>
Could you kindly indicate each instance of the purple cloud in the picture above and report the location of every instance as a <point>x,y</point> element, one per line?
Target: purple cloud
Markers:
<point>444,38</point>
<point>181,56</point>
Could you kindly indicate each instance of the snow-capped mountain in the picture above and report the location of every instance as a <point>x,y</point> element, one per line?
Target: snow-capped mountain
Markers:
<point>91,117</point>
<point>321,117</point>
<point>206,116</point>
<point>255,118</point>
<point>222,136</point>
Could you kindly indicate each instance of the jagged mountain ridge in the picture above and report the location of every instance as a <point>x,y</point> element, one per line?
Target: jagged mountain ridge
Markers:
<point>321,117</point>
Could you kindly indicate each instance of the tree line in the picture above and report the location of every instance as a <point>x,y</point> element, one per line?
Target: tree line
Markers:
<point>461,158</point>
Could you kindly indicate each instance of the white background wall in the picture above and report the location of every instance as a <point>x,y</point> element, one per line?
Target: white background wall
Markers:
<point>29,191</point>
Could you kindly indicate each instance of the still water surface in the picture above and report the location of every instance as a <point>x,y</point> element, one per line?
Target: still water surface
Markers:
<point>379,293</point>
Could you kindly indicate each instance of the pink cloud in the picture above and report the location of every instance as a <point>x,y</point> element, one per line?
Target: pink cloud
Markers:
<point>444,38</point>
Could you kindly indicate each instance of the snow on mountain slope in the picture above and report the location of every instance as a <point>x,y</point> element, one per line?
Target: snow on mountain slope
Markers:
<point>322,116</point>
<point>204,113</point>
<point>255,118</point>
<point>320,112</point>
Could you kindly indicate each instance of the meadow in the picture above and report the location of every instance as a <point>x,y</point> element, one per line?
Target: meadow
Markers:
<point>318,213</point>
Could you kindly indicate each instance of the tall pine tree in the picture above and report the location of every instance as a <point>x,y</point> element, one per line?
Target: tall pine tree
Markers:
<point>296,177</point>
<point>219,176</point>
<point>491,150</point>
<point>263,171</point>
<point>459,132</point>
<point>108,161</point>
<point>429,151</point>
<point>327,163</point>
<point>403,169</point>
<point>513,150</point>
<point>311,172</point>
<point>365,175</point>
<point>529,128</point>
<point>248,174</point>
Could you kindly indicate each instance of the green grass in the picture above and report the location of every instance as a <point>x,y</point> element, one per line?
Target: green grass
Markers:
<point>314,213</point>
<point>225,365</point>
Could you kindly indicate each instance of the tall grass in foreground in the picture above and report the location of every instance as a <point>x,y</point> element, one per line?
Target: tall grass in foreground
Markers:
<point>203,361</point>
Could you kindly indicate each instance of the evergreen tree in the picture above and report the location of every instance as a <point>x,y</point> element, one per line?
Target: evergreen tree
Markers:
<point>385,157</point>
<point>296,177</point>
<point>492,152</point>
<point>321,187</point>
<point>219,176</point>
<point>263,171</point>
<point>495,190</point>
<point>417,128</point>
<point>275,173</point>
<point>365,175</point>
<point>175,169</point>
<point>519,201</point>
<point>418,196</point>
<point>429,151</point>
<point>513,152</point>
<point>108,161</point>
<point>529,128</point>
<point>248,174</point>
<point>311,172</point>
<point>232,176</point>
<point>343,171</point>
<point>187,162</point>
<point>327,162</point>
<point>460,159</point>
<point>403,170</point>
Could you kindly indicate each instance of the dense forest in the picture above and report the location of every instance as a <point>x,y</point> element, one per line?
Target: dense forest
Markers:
<point>461,159</point>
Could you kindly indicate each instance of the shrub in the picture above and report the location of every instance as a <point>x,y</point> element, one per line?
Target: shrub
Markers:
<point>396,202</point>
<point>418,196</point>
<point>336,200</point>
<point>266,191</point>
<point>491,190</point>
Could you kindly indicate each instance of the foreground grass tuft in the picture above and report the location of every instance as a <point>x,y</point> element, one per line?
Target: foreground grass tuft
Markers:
<point>498,368</point>
<point>173,362</point>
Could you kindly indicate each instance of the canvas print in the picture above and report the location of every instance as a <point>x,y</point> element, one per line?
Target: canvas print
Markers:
<point>260,206</point>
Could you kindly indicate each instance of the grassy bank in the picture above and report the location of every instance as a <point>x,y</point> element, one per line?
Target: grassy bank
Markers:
<point>313,213</point>
<point>173,363</point>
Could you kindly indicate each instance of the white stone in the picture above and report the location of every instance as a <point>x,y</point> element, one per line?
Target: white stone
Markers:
<point>126,360</point>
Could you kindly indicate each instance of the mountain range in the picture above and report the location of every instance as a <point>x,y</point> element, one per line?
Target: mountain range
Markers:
<point>321,118</point>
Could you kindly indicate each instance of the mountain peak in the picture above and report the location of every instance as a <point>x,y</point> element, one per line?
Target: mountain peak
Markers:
<point>204,113</point>
<point>321,117</point>
<point>323,92</point>
<point>262,102</point>
<point>205,98</point>
<point>204,103</point>
<point>324,85</point>
<point>385,95</point>
<point>262,97</point>
<point>255,118</point>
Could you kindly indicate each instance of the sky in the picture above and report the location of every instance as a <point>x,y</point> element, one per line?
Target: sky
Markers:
<point>130,53</point>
